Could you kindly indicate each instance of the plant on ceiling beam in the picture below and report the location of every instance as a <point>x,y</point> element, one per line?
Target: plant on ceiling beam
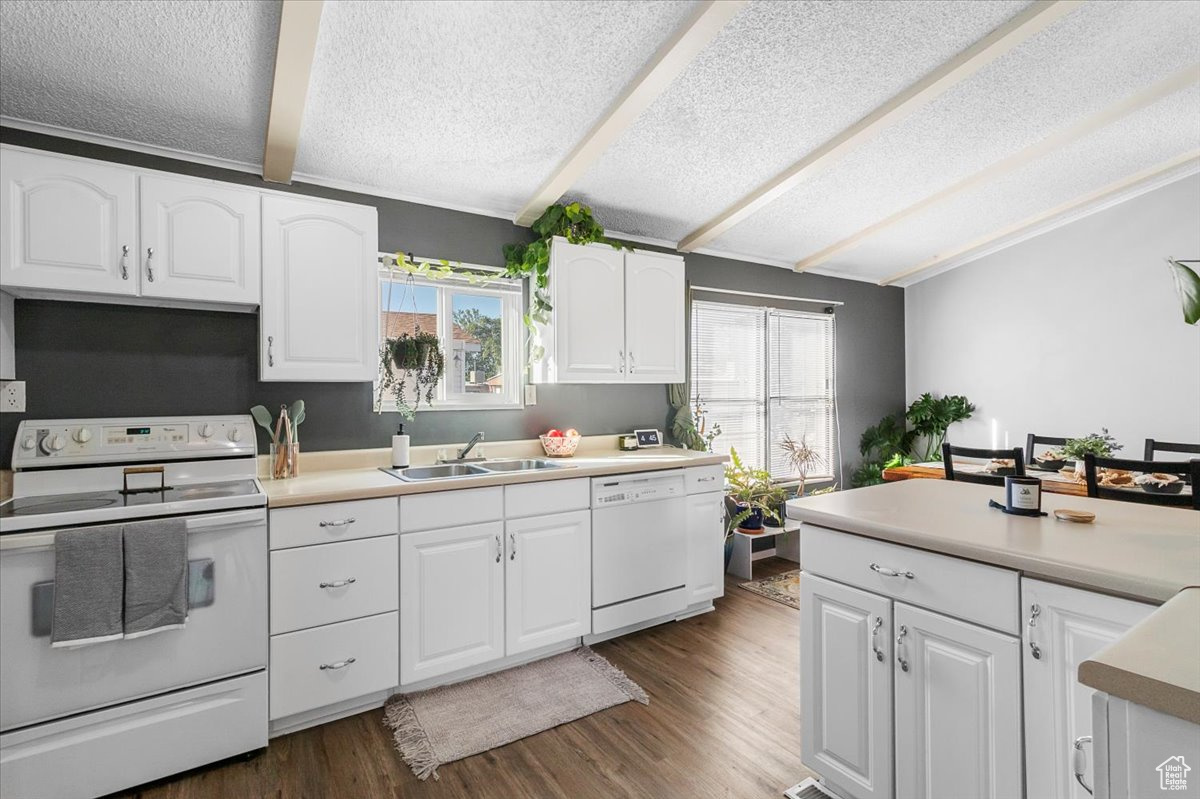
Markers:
<point>1187,283</point>
<point>531,260</point>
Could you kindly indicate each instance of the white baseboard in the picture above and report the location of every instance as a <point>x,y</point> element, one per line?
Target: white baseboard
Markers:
<point>324,715</point>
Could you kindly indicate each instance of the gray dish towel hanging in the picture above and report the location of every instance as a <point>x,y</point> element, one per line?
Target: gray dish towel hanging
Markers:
<point>88,586</point>
<point>156,572</point>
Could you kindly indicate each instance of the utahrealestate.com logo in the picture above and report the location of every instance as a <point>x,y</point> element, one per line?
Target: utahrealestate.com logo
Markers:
<point>1172,774</point>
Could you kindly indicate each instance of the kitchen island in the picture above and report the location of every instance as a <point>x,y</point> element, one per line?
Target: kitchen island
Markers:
<point>935,620</point>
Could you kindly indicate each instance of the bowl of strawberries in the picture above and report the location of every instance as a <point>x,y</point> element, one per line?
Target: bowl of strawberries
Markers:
<point>560,443</point>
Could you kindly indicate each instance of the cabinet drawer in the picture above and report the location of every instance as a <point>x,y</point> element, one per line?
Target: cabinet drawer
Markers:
<point>961,588</point>
<point>305,590</point>
<point>539,499</point>
<point>298,681</point>
<point>700,479</point>
<point>333,521</point>
<point>451,509</point>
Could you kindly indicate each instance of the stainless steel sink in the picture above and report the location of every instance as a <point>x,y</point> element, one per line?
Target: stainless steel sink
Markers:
<point>521,465</point>
<point>414,474</point>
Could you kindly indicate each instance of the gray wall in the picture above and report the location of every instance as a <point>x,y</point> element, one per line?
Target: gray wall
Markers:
<point>1076,329</point>
<point>86,360</point>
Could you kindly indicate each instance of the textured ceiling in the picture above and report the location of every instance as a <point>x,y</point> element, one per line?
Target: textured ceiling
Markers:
<point>1088,61</point>
<point>779,80</point>
<point>474,104</point>
<point>470,103</point>
<point>190,76</point>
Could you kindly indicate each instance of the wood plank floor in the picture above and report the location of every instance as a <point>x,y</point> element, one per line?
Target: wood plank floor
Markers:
<point>723,722</point>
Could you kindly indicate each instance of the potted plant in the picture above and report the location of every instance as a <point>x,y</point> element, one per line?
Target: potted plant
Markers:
<point>802,458</point>
<point>752,496</point>
<point>1101,444</point>
<point>417,356</point>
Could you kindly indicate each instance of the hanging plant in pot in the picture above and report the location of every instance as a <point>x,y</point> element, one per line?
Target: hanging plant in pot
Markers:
<point>408,357</point>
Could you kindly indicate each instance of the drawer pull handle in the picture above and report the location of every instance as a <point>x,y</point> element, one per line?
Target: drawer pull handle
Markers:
<point>339,522</point>
<point>886,572</point>
<point>1035,610</point>
<point>874,643</point>
<point>708,479</point>
<point>1080,761</point>
<point>341,664</point>
<point>339,583</point>
<point>899,643</point>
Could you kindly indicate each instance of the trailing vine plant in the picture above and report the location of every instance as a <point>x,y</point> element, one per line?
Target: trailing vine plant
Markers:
<point>531,261</point>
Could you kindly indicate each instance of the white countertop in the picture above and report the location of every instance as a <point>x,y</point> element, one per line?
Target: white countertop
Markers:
<point>363,480</point>
<point>1146,552</point>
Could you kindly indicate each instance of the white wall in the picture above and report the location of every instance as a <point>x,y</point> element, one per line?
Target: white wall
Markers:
<point>1070,331</point>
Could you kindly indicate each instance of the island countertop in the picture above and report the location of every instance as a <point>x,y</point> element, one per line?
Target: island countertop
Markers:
<point>1145,552</point>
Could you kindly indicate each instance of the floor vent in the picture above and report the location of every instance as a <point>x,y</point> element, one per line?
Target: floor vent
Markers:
<point>809,789</point>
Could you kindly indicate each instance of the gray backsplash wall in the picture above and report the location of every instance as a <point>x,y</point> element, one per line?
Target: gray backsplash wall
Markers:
<point>86,360</point>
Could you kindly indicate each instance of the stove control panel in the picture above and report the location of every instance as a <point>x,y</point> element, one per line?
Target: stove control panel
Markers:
<point>42,443</point>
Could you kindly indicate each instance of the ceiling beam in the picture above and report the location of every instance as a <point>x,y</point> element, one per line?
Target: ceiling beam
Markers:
<point>1037,17</point>
<point>1061,138</point>
<point>298,27</point>
<point>1113,191</point>
<point>652,81</point>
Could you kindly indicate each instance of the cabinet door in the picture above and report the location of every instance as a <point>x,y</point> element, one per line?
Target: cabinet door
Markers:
<point>1064,627</point>
<point>958,708</point>
<point>706,546</point>
<point>589,313</point>
<point>846,687</point>
<point>199,241</point>
<point>320,291</point>
<point>451,600</point>
<point>67,225</point>
<point>654,334</point>
<point>548,587</point>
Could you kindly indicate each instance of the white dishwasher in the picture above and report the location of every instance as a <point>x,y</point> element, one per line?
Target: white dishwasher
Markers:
<point>639,548</point>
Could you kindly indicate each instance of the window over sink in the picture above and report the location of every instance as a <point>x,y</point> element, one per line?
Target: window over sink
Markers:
<point>761,374</point>
<point>479,328</point>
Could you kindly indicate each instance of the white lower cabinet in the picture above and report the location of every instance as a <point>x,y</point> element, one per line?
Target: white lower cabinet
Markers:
<point>958,708</point>
<point>846,690</point>
<point>705,550</point>
<point>451,599</point>
<point>549,567</point>
<point>1064,627</point>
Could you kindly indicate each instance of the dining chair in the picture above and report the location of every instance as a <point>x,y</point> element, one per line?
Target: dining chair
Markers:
<point>1032,440</point>
<point>948,451</point>
<point>1135,493</point>
<point>1153,446</point>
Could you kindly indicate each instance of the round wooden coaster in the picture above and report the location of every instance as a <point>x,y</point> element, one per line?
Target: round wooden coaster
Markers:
<point>1079,516</point>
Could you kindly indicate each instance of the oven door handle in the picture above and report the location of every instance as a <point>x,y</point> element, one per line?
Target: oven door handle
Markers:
<point>32,542</point>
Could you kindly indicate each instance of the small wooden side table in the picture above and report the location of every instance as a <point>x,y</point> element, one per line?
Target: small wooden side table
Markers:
<point>786,546</point>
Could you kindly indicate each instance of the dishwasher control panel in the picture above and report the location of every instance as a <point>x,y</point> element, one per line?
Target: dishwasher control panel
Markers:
<point>625,490</point>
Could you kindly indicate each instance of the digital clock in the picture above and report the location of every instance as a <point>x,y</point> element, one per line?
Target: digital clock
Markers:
<point>648,438</point>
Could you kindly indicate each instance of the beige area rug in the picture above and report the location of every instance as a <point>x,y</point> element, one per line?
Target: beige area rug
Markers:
<point>783,588</point>
<point>445,724</point>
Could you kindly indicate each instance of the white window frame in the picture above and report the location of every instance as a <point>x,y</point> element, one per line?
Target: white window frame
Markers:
<point>770,440</point>
<point>512,341</point>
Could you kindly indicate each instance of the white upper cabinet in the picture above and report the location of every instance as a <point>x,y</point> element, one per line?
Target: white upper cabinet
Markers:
<point>320,298</point>
<point>654,343</point>
<point>1064,627</point>
<point>618,316</point>
<point>588,285</point>
<point>958,708</point>
<point>199,241</point>
<point>67,224</point>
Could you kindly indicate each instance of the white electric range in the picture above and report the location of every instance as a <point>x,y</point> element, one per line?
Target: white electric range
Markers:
<point>87,721</point>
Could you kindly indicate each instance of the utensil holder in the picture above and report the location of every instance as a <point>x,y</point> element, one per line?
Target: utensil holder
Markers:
<point>284,461</point>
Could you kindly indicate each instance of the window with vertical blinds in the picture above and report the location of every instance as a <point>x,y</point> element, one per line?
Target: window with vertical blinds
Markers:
<point>763,373</point>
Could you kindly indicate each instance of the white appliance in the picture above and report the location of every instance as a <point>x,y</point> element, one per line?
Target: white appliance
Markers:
<point>639,546</point>
<point>88,721</point>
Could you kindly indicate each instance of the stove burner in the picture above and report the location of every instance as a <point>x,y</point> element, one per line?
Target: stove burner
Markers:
<point>32,507</point>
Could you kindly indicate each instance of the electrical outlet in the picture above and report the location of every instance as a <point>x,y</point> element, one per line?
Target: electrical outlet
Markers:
<point>531,395</point>
<point>12,396</point>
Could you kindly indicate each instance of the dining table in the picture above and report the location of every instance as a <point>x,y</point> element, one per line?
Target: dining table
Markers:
<point>1052,482</point>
